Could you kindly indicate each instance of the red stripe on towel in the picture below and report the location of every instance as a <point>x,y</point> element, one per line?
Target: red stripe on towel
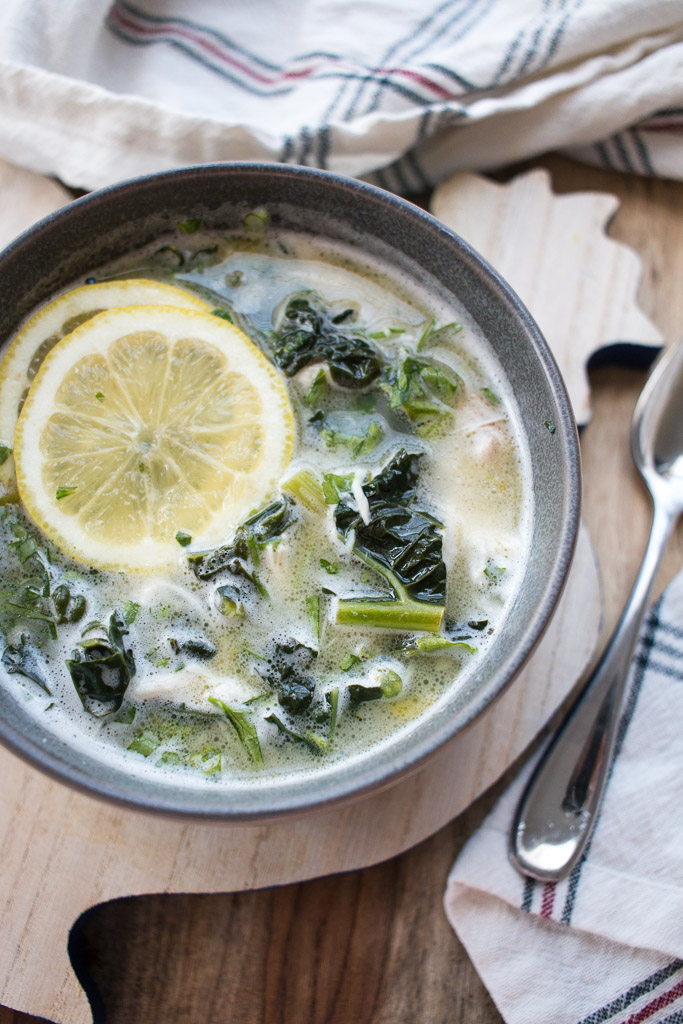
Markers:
<point>657,1004</point>
<point>198,37</point>
<point>548,899</point>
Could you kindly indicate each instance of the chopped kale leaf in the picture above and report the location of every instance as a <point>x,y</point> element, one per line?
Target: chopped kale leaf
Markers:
<point>265,527</point>
<point>308,334</point>
<point>358,444</point>
<point>315,743</point>
<point>406,542</point>
<point>23,658</point>
<point>197,648</point>
<point>102,669</point>
<point>285,671</point>
<point>244,728</point>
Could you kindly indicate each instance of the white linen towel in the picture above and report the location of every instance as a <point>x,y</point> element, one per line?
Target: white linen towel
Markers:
<point>399,91</point>
<point>604,946</point>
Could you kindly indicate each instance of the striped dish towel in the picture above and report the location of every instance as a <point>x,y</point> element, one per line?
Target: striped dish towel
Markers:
<point>403,92</point>
<point>604,946</point>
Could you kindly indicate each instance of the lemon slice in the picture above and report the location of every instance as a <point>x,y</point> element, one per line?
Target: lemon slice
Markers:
<point>27,350</point>
<point>144,422</point>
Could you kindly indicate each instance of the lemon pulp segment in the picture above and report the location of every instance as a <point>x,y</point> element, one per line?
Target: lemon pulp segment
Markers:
<point>29,347</point>
<point>145,421</point>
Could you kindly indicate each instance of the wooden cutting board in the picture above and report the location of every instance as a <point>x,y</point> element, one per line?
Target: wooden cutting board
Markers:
<point>62,852</point>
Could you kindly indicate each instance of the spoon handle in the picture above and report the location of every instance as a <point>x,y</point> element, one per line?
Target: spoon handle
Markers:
<point>560,804</point>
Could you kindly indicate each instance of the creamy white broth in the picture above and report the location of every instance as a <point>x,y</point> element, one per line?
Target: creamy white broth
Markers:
<point>472,478</point>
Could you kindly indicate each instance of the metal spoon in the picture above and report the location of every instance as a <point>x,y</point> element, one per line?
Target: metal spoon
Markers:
<point>559,807</point>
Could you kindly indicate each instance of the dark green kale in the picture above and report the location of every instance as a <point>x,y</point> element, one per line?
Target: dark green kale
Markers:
<point>68,607</point>
<point>404,540</point>
<point>309,334</point>
<point>262,529</point>
<point>101,669</point>
<point>197,648</point>
<point>285,670</point>
<point>23,658</point>
<point>390,684</point>
<point>397,481</point>
<point>400,542</point>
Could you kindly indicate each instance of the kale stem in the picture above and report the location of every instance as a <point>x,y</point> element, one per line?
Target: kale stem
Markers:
<point>394,583</point>
<point>305,486</point>
<point>407,615</point>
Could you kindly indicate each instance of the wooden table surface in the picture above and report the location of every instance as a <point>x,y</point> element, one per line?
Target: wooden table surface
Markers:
<point>373,946</point>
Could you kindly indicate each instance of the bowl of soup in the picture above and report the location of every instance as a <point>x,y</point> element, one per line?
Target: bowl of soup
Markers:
<point>290,489</point>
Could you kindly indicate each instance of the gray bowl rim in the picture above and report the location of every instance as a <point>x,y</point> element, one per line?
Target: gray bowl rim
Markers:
<point>405,764</point>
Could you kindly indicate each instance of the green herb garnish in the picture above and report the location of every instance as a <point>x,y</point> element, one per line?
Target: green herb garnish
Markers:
<point>430,644</point>
<point>358,444</point>
<point>349,661</point>
<point>315,743</point>
<point>126,716</point>
<point>145,743</point>
<point>390,682</point>
<point>223,314</point>
<point>494,573</point>
<point>313,612</point>
<point>334,486</point>
<point>229,602</point>
<point>317,390</point>
<point>244,729</point>
<point>190,226</point>
<point>130,612</point>
<point>256,221</point>
<point>332,699</point>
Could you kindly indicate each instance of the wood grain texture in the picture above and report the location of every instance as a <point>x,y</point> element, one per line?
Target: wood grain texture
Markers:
<point>579,285</point>
<point>373,946</point>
